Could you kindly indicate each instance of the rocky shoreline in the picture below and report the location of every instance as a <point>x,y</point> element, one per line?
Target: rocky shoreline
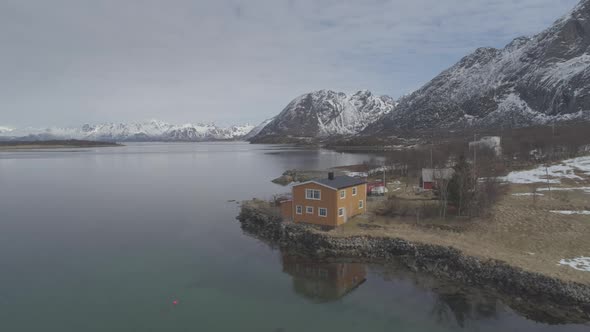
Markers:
<point>439,261</point>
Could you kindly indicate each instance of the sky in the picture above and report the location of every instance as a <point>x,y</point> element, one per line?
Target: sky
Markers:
<point>70,62</point>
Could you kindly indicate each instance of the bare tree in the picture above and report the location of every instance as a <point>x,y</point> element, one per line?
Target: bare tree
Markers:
<point>548,181</point>
<point>442,186</point>
<point>534,193</point>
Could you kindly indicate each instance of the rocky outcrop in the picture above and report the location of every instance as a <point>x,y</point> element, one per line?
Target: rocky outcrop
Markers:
<point>441,261</point>
<point>294,175</point>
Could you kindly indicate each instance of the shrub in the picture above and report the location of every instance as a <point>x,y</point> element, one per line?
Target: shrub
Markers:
<point>397,207</point>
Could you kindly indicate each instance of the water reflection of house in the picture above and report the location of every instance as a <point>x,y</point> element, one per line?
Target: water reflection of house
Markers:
<point>321,281</point>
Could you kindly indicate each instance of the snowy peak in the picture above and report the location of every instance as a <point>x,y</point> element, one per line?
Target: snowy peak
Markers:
<point>256,130</point>
<point>153,130</point>
<point>5,130</point>
<point>326,113</point>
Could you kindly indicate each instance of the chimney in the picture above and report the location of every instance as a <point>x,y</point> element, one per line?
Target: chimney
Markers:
<point>331,176</point>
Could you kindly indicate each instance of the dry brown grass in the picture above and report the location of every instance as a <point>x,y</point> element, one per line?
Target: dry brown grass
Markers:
<point>521,231</point>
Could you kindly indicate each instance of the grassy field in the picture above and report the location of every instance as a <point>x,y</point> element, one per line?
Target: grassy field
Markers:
<point>522,229</point>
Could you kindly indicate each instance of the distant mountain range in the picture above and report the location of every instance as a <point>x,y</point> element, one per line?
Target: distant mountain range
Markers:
<point>132,132</point>
<point>532,81</point>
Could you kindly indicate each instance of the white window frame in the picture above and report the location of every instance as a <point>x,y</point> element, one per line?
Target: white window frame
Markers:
<point>320,212</point>
<point>361,204</point>
<point>309,210</point>
<point>310,194</point>
<point>354,191</point>
<point>341,212</point>
<point>299,209</point>
<point>343,194</point>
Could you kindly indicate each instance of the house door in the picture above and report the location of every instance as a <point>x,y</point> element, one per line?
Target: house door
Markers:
<point>345,215</point>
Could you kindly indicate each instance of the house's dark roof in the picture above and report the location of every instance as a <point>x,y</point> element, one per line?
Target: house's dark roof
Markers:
<point>340,182</point>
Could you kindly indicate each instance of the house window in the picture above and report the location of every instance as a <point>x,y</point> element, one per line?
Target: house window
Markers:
<point>299,209</point>
<point>342,194</point>
<point>340,212</point>
<point>313,194</point>
<point>361,204</point>
<point>309,209</point>
<point>353,191</point>
<point>323,212</point>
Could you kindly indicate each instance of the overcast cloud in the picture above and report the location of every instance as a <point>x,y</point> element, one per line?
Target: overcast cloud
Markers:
<point>68,62</point>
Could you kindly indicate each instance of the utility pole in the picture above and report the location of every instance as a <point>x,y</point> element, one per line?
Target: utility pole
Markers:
<point>431,147</point>
<point>431,163</point>
<point>553,141</point>
<point>548,182</point>
<point>475,161</point>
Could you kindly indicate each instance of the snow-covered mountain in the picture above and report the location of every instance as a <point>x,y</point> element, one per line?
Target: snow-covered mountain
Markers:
<point>124,132</point>
<point>324,114</point>
<point>536,80</point>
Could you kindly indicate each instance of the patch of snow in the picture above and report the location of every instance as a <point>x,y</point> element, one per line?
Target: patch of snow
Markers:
<point>585,189</point>
<point>556,172</point>
<point>357,174</point>
<point>527,194</point>
<point>578,263</point>
<point>566,70</point>
<point>570,213</point>
<point>581,163</point>
<point>381,169</point>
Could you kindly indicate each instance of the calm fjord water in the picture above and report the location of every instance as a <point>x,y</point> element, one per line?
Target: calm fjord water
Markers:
<point>106,239</point>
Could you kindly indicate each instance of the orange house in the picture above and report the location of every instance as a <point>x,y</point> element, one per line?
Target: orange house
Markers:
<point>327,202</point>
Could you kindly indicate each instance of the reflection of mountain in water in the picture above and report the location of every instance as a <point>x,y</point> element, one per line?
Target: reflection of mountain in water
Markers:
<point>323,281</point>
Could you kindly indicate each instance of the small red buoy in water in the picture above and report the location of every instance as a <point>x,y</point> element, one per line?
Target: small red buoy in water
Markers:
<point>175,302</point>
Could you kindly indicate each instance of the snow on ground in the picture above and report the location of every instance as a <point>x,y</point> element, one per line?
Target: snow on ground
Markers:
<point>527,194</point>
<point>569,213</point>
<point>585,189</point>
<point>553,173</point>
<point>357,174</point>
<point>581,163</point>
<point>370,172</point>
<point>578,263</point>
